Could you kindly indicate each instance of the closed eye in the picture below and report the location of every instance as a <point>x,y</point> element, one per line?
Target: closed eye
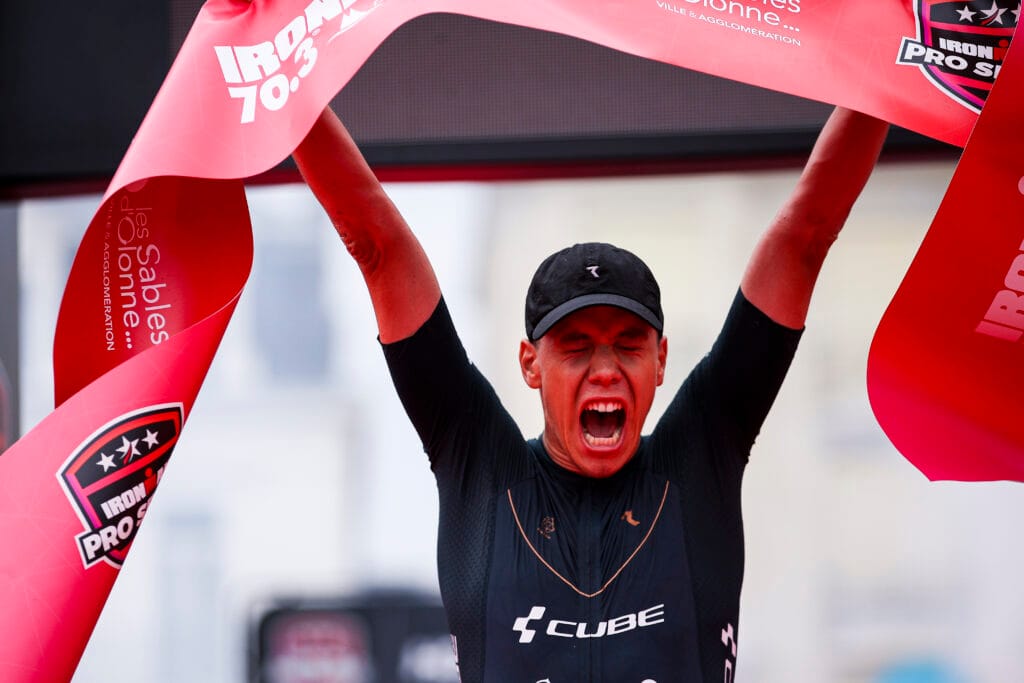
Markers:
<point>632,341</point>
<point>574,343</point>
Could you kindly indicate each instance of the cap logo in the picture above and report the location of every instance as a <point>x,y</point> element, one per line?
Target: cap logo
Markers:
<point>593,270</point>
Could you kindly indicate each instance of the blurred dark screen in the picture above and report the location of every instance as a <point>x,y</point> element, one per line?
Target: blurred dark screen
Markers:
<point>442,90</point>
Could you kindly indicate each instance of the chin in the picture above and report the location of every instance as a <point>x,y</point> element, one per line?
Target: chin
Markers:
<point>599,463</point>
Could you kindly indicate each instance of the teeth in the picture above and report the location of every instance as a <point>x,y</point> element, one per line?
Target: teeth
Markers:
<point>598,442</point>
<point>605,407</point>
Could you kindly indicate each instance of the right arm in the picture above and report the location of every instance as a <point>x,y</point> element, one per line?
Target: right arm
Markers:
<point>398,275</point>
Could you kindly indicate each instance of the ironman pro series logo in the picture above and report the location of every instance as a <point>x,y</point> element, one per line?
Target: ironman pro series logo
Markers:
<point>960,45</point>
<point>110,478</point>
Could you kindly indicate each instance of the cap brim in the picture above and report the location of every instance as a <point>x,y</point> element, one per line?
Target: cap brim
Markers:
<point>573,305</point>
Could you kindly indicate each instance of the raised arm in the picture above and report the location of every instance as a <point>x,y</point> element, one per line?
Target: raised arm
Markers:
<point>785,264</point>
<point>401,281</point>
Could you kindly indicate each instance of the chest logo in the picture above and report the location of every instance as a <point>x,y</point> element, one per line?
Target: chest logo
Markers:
<point>615,575</point>
<point>547,527</point>
<point>560,628</point>
<point>627,516</point>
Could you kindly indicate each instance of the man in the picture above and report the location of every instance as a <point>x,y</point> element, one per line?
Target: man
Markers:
<point>592,553</point>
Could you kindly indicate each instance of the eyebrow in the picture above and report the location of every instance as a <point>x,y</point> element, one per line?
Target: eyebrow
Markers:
<point>637,333</point>
<point>634,333</point>
<point>570,337</point>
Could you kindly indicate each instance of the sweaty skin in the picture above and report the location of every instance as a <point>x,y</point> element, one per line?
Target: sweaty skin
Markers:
<point>597,370</point>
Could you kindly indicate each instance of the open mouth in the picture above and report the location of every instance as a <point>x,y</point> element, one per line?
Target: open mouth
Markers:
<point>602,423</point>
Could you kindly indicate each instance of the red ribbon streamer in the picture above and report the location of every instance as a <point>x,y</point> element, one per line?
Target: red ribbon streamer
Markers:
<point>946,365</point>
<point>164,260</point>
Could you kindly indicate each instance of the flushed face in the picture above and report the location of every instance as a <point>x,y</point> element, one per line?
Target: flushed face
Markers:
<point>597,371</point>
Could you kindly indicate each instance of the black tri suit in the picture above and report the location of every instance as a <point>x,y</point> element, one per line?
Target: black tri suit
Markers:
<point>549,576</point>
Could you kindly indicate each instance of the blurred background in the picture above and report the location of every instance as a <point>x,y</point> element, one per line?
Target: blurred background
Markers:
<point>294,535</point>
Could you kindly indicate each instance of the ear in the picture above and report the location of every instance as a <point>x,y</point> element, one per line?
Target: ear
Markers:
<point>528,364</point>
<point>662,357</point>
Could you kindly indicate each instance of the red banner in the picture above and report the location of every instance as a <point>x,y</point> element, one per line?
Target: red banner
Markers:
<point>946,365</point>
<point>150,294</point>
<point>263,70</point>
<point>165,258</point>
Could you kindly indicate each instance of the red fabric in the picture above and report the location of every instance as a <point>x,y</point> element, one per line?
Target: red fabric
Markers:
<point>165,258</point>
<point>200,229</point>
<point>946,365</point>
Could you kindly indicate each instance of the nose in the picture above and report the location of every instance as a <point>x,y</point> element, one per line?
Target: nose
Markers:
<point>604,366</point>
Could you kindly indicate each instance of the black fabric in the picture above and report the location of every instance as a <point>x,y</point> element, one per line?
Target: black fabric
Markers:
<point>590,274</point>
<point>636,576</point>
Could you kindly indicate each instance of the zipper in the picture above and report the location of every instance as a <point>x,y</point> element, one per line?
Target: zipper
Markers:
<point>594,579</point>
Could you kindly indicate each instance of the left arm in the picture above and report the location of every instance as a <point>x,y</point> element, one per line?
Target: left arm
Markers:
<point>781,273</point>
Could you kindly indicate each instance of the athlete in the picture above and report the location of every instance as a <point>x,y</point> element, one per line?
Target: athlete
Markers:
<point>592,553</point>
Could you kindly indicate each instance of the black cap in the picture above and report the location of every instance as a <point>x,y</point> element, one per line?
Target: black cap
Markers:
<point>590,274</point>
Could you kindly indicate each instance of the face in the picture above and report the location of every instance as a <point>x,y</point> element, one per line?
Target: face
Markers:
<point>597,370</point>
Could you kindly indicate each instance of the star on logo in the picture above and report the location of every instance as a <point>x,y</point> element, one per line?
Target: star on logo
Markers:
<point>128,449</point>
<point>966,14</point>
<point>106,461</point>
<point>1016,14</point>
<point>151,439</point>
<point>993,15</point>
